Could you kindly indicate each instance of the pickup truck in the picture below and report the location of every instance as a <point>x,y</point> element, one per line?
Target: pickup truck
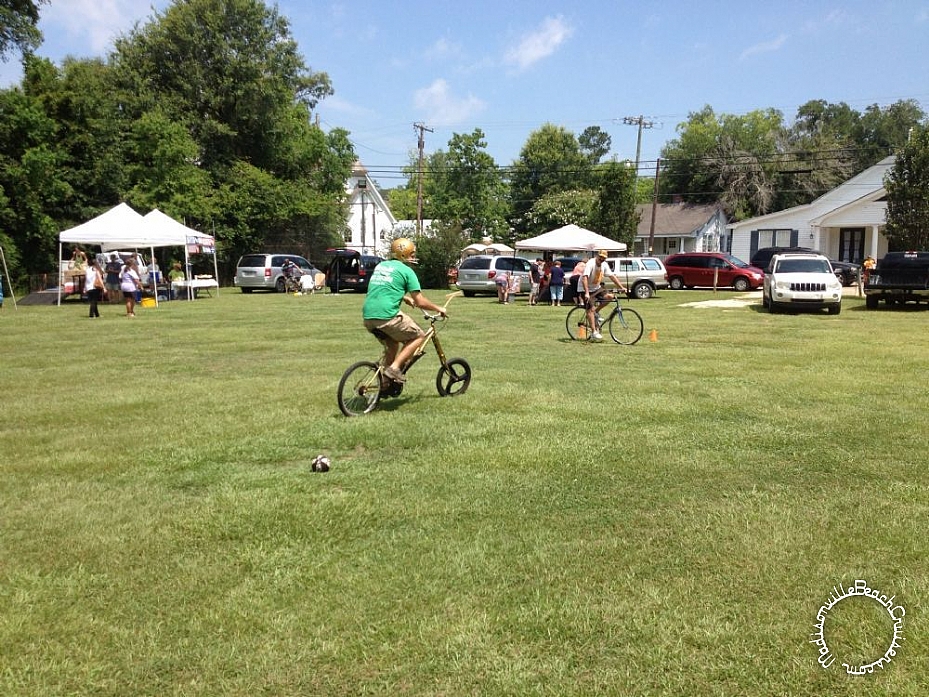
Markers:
<point>898,278</point>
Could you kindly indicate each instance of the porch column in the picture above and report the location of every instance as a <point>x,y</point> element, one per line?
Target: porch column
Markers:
<point>874,234</point>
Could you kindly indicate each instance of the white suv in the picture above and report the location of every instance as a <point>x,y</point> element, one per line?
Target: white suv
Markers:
<point>801,281</point>
<point>641,275</point>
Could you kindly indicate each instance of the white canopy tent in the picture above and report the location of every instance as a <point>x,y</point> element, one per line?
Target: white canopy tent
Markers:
<point>168,232</point>
<point>122,227</point>
<point>571,238</point>
<point>478,248</point>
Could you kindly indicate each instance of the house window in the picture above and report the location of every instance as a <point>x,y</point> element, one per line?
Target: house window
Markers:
<point>774,238</point>
<point>672,244</point>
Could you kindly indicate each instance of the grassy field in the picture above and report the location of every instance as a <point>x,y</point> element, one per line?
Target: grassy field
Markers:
<point>662,519</point>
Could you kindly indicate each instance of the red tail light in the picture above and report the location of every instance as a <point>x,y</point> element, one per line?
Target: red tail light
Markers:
<point>267,272</point>
<point>491,273</point>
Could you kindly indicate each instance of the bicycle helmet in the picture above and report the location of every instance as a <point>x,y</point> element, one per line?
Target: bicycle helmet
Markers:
<point>403,249</point>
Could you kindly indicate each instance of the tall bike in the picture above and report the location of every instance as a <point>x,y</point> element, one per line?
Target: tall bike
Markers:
<point>365,383</point>
<point>624,324</point>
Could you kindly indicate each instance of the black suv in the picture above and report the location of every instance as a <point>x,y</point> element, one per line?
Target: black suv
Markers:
<point>845,271</point>
<point>350,270</point>
<point>762,257</point>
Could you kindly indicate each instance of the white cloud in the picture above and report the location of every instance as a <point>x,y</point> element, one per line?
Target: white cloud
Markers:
<point>440,107</point>
<point>92,25</point>
<point>539,44</point>
<point>443,48</point>
<point>764,47</point>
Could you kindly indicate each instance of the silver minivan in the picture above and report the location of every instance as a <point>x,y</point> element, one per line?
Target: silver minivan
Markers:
<point>476,273</point>
<point>264,272</point>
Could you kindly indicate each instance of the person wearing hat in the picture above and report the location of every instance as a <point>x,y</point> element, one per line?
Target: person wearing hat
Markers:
<point>595,294</point>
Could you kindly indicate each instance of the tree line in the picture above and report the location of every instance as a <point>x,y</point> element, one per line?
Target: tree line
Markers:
<point>206,112</point>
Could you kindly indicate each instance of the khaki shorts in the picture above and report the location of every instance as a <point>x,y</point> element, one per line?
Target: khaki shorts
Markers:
<point>400,328</point>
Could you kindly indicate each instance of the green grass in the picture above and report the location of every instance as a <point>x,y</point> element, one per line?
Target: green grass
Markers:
<point>663,519</point>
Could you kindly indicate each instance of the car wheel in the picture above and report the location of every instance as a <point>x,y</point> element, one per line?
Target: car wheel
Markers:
<point>643,291</point>
<point>246,290</point>
<point>468,293</point>
<point>279,286</point>
<point>676,282</point>
<point>764,300</point>
<point>740,284</point>
<point>871,302</point>
<point>773,307</point>
<point>835,309</point>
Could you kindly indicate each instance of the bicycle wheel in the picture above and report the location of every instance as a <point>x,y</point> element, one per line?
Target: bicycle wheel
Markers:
<point>359,389</point>
<point>453,378</point>
<point>626,326</point>
<point>577,318</point>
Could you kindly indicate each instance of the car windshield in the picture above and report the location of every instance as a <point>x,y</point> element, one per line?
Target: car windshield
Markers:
<point>735,261</point>
<point>804,266</point>
<point>476,263</point>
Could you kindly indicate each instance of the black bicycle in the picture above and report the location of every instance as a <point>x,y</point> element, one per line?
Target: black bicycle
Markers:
<point>624,324</point>
<point>365,383</point>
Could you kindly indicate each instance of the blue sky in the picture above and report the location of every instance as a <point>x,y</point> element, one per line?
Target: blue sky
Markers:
<point>509,66</point>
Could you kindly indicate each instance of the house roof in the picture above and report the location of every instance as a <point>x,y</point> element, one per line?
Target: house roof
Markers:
<point>675,219</point>
<point>865,187</point>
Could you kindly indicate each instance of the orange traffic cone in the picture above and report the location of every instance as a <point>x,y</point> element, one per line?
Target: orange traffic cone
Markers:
<point>653,335</point>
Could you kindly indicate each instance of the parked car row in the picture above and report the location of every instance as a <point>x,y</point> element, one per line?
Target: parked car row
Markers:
<point>348,270</point>
<point>641,275</point>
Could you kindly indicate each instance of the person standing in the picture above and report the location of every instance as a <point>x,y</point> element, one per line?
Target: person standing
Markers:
<point>94,286</point>
<point>130,283</point>
<point>556,284</point>
<point>595,294</point>
<point>392,283</point>
<point>535,281</point>
<point>112,269</point>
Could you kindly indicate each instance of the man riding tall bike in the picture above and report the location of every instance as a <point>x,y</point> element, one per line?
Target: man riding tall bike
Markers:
<point>393,282</point>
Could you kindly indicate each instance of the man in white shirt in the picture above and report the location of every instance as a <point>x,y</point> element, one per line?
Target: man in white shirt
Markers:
<point>596,296</point>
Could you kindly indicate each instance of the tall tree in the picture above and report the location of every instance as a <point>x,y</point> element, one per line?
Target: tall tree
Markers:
<point>550,161</point>
<point>616,215</point>
<point>19,29</point>
<point>228,74</point>
<point>595,143</point>
<point>907,185</point>
<point>469,192</point>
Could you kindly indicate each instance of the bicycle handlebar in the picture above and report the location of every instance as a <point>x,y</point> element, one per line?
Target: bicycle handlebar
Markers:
<point>448,299</point>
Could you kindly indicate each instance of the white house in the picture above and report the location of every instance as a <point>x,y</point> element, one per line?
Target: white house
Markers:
<point>680,227</point>
<point>370,222</point>
<point>844,224</point>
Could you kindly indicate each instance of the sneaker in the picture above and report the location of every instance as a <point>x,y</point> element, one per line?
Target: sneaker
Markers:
<point>394,374</point>
<point>596,336</point>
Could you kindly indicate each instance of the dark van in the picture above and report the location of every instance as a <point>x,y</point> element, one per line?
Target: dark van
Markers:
<point>692,269</point>
<point>350,270</point>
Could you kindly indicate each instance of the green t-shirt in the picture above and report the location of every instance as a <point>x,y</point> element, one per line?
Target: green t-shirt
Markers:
<point>390,281</point>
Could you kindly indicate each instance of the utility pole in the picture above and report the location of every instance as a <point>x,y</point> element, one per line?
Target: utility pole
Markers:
<point>641,122</point>
<point>651,229</point>
<point>421,127</point>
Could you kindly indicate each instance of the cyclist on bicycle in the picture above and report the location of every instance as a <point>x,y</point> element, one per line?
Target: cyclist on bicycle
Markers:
<point>393,282</point>
<point>596,296</point>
